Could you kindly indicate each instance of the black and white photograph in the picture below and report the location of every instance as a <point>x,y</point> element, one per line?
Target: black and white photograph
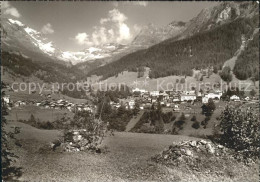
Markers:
<point>130,91</point>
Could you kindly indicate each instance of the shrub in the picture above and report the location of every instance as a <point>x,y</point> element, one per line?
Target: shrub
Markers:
<point>167,117</point>
<point>173,117</point>
<point>208,109</point>
<point>193,118</point>
<point>240,130</point>
<point>182,80</point>
<point>196,125</point>
<point>205,122</point>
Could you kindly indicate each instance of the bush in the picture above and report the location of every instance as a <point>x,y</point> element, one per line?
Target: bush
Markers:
<point>193,118</point>
<point>196,125</point>
<point>205,122</point>
<point>240,130</point>
<point>167,117</point>
<point>182,80</point>
<point>173,117</point>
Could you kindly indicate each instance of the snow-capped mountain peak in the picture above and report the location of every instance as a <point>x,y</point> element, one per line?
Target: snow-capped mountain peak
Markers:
<point>19,35</point>
<point>38,41</point>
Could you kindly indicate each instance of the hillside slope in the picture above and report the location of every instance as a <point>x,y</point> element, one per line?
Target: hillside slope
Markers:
<point>171,57</point>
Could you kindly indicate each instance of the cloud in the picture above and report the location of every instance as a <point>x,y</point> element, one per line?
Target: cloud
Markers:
<point>47,29</point>
<point>82,38</point>
<point>9,10</point>
<point>116,16</point>
<point>112,29</point>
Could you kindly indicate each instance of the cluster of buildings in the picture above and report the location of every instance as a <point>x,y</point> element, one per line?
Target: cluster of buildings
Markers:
<point>47,104</point>
<point>63,104</point>
<point>170,98</point>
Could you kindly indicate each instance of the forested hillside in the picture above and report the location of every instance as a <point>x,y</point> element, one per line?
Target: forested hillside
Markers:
<point>171,57</point>
<point>247,64</point>
<point>48,72</point>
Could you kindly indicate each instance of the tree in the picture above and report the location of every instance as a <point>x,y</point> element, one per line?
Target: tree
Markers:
<point>208,109</point>
<point>159,126</point>
<point>182,80</point>
<point>193,118</point>
<point>178,125</point>
<point>9,170</point>
<point>252,92</point>
<point>136,108</point>
<point>211,106</point>
<point>240,130</point>
<point>215,70</point>
<point>226,75</point>
<point>205,121</point>
<point>196,125</point>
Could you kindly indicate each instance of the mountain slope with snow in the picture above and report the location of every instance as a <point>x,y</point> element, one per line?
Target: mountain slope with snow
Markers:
<point>18,37</point>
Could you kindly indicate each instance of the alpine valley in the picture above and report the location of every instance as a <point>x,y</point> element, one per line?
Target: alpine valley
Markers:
<point>211,39</point>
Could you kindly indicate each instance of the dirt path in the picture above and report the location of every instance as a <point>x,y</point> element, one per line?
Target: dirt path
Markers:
<point>134,120</point>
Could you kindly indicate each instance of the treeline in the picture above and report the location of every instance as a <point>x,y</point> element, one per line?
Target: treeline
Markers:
<point>247,64</point>
<point>171,57</point>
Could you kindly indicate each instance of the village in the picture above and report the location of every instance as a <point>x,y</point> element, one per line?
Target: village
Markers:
<point>172,99</point>
<point>145,99</point>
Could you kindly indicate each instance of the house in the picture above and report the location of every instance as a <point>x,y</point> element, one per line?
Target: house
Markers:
<point>235,98</point>
<point>199,94</point>
<point>187,97</point>
<point>164,95</point>
<point>176,99</point>
<point>142,91</point>
<point>131,104</point>
<point>17,104</point>
<point>22,103</point>
<point>247,98</point>
<point>214,95</point>
<point>154,100</point>
<point>154,93</point>
<point>205,100</point>
<point>6,99</point>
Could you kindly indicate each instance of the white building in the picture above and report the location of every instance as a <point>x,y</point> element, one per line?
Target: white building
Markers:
<point>142,91</point>
<point>214,95</point>
<point>131,104</point>
<point>154,93</point>
<point>205,100</point>
<point>234,97</point>
<point>189,97</point>
<point>6,99</point>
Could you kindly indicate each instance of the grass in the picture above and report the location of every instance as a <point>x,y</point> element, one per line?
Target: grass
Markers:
<point>26,95</point>
<point>127,158</point>
<point>24,113</point>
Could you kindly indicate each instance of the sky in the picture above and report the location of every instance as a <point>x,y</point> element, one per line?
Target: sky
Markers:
<point>74,26</point>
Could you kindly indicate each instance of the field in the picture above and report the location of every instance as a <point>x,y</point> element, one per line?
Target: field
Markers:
<point>25,112</point>
<point>125,157</point>
<point>24,94</point>
<point>168,83</point>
